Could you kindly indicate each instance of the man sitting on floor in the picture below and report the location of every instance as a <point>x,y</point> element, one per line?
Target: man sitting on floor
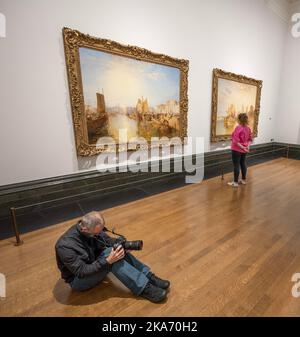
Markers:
<point>85,255</point>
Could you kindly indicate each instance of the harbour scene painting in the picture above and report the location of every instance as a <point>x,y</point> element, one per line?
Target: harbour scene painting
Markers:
<point>234,98</point>
<point>124,93</point>
<point>233,94</point>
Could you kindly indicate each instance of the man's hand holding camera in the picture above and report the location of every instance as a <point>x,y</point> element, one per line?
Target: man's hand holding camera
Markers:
<point>116,254</point>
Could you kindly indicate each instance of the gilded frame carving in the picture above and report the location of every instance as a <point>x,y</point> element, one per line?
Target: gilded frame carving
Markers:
<point>73,40</point>
<point>218,73</point>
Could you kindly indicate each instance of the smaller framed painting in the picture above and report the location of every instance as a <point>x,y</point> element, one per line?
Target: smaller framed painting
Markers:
<point>233,94</point>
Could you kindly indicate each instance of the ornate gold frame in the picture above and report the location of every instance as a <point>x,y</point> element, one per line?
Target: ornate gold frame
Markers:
<point>73,39</point>
<point>218,73</point>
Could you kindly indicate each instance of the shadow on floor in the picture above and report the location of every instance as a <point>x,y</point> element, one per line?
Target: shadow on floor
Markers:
<point>105,290</point>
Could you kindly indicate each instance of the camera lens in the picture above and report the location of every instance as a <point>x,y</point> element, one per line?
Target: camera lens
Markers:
<point>134,245</point>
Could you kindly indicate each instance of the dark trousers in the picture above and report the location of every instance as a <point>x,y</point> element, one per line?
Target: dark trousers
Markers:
<point>239,163</point>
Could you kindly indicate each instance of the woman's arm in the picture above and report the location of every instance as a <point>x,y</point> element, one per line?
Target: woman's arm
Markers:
<point>250,140</point>
<point>236,139</point>
<point>244,148</point>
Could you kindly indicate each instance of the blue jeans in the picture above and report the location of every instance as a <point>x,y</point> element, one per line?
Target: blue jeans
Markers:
<point>130,271</point>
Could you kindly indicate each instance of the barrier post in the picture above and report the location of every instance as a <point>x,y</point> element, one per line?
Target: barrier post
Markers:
<point>18,242</point>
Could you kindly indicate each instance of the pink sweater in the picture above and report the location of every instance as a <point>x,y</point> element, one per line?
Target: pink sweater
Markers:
<point>243,135</point>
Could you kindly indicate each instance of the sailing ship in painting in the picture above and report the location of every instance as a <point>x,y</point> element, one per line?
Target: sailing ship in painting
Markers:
<point>228,122</point>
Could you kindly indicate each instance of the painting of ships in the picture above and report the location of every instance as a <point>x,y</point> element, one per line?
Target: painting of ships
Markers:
<point>230,118</point>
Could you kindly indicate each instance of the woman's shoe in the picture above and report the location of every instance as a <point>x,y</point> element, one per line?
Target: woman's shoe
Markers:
<point>233,184</point>
<point>242,181</point>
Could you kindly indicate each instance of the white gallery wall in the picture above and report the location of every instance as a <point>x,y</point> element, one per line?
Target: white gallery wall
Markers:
<point>36,130</point>
<point>288,118</point>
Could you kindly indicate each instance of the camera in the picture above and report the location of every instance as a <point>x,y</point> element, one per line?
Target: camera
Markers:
<point>127,245</point>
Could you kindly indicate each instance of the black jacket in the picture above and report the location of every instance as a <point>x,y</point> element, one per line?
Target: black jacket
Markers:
<point>78,254</point>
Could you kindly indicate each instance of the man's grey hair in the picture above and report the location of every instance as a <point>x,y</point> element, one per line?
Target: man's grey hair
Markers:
<point>92,219</point>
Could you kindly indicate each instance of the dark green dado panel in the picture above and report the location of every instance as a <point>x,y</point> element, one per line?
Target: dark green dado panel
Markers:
<point>71,195</point>
<point>293,150</point>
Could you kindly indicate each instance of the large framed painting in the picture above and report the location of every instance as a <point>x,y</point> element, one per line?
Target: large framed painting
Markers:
<point>233,94</point>
<point>114,86</point>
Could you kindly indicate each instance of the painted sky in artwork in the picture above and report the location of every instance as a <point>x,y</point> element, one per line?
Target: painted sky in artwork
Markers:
<point>124,80</point>
<point>231,92</point>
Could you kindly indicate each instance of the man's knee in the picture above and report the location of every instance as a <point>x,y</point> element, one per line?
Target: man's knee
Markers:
<point>118,264</point>
<point>128,256</point>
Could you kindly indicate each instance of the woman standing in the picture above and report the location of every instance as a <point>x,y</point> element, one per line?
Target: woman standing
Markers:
<point>240,143</point>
